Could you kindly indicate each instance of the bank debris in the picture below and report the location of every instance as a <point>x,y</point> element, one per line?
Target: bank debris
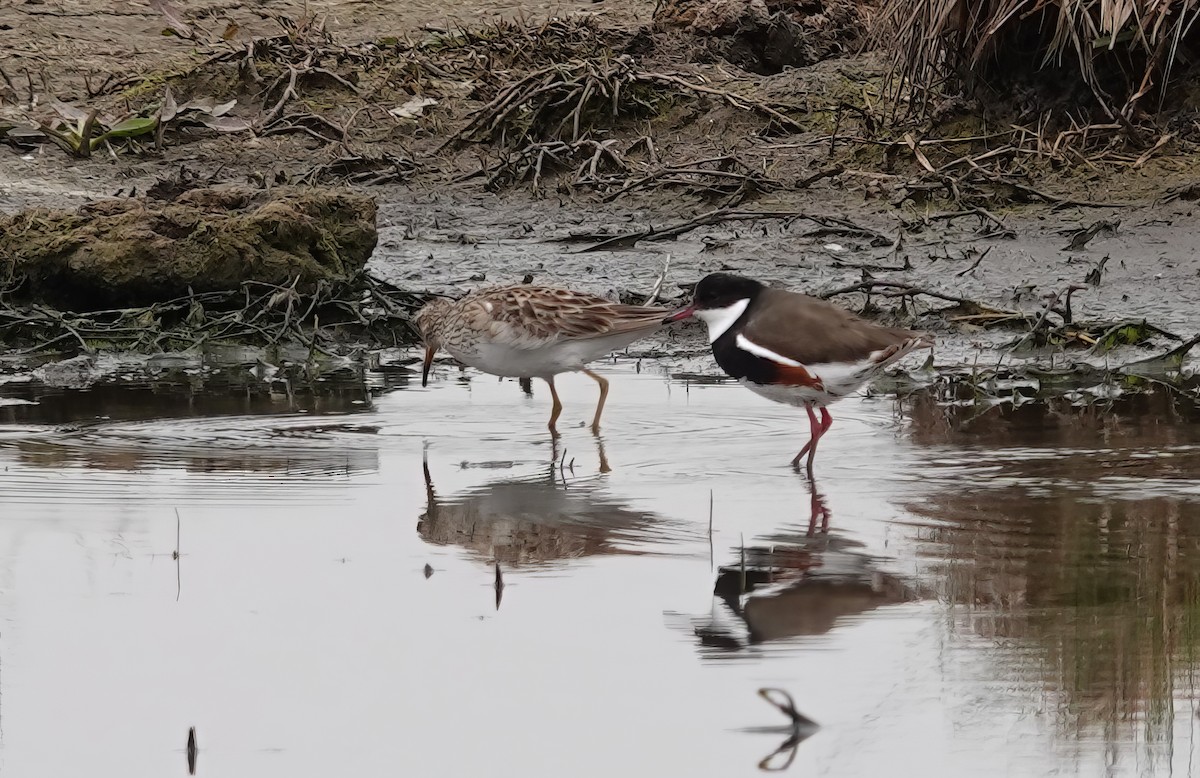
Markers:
<point>1056,325</point>
<point>721,101</point>
<point>332,319</point>
<point>824,225</point>
<point>1083,86</point>
<point>1121,54</point>
<point>979,388</point>
<point>209,266</point>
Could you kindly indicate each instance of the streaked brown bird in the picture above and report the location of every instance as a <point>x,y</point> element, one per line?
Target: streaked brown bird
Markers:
<point>534,332</point>
<point>792,348</point>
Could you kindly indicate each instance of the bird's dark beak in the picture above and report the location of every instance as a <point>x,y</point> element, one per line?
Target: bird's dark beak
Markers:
<point>682,313</point>
<point>429,352</point>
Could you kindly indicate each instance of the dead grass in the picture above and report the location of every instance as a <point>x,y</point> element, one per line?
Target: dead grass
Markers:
<point>1123,52</point>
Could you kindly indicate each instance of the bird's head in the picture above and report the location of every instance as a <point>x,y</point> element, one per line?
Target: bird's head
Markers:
<point>719,296</point>
<point>431,323</point>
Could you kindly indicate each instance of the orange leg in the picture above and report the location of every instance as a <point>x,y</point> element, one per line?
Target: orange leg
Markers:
<point>603,396</point>
<point>556,409</point>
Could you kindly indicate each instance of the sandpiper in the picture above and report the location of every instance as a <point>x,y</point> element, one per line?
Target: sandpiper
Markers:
<point>792,348</point>
<point>534,332</point>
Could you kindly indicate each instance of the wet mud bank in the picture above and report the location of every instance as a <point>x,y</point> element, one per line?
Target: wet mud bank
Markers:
<point>1116,311</point>
<point>195,270</point>
<point>587,151</point>
<point>136,251</point>
<point>1028,300</point>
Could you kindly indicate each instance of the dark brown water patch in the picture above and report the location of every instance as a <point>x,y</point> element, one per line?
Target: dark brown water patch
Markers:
<point>1068,534</point>
<point>239,390</point>
<point>953,416</point>
<point>1098,600</point>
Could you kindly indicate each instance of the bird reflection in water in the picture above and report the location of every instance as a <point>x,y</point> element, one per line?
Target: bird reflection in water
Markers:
<point>556,515</point>
<point>797,586</point>
<point>792,585</point>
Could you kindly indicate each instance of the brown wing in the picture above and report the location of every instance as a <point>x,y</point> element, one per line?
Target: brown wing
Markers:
<point>812,331</point>
<point>533,315</point>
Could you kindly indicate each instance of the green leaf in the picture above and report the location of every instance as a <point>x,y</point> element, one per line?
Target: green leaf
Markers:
<point>1123,334</point>
<point>131,128</point>
<point>64,140</point>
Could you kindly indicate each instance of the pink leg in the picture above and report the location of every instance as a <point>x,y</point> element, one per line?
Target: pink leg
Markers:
<point>817,431</point>
<point>814,432</point>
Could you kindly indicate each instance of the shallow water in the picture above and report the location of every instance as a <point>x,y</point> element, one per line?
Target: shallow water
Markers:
<point>973,589</point>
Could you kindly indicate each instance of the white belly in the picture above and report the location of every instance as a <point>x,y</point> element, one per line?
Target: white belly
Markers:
<point>543,361</point>
<point>837,382</point>
<point>798,396</point>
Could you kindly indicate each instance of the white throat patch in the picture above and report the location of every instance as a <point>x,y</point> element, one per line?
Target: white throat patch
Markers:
<point>721,319</point>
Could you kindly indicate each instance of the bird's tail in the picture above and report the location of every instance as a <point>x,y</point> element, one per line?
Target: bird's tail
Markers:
<point>896,352</point>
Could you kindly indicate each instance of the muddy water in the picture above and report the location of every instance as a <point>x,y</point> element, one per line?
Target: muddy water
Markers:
<point>970,589</point>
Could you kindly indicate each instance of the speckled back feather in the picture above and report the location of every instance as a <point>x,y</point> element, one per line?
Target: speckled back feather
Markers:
<point>529,317</point>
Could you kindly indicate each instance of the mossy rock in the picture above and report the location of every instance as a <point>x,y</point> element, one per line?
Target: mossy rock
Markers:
<point>136,251</point>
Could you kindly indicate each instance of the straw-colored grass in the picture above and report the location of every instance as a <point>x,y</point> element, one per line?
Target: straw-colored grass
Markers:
<point>1122,50</point>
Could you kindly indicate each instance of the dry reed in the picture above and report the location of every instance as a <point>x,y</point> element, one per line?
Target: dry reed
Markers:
<point>1121,50</point>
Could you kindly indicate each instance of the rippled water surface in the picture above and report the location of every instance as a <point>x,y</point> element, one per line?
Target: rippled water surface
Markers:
<point>970,589</point>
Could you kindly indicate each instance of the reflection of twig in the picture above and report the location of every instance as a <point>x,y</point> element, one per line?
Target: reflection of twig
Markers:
<point>192,750</point>
<point>499,585</point>
<point>710,525</point>
<point>241,314</point>
<point>176,555</point>
<point>742,545</point>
